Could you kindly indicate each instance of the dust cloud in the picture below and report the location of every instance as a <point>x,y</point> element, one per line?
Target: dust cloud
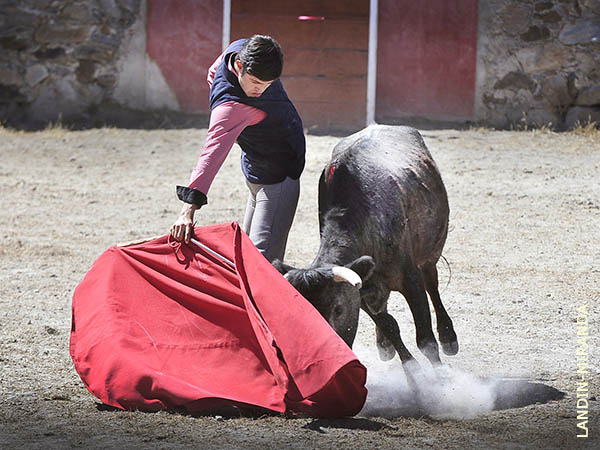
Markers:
<point>442,393</point>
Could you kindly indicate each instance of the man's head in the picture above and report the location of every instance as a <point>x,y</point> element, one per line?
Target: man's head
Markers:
<point>258,64</point>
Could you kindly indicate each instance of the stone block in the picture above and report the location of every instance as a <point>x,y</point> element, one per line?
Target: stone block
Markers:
<point>86,71</point>
<point>110,9</point>
<point>589,96</point>
<point>582,32</point>
<point>542,58</point>
<point>96,53</point>
<point>10,76</point>
<point>79,12</point>
<point>15,38</point>
<point>535,33</point>
<point>494,98</point>
<point>107,80</point>
<point>35,74</point>
<point>56,98</point>
<point>586,64</point>
<point>582,115</point>
<point>555,91</point>
<point>23,17</point>
<point>130,5</point>
<point>106,39</point>
<point>11,94</point>
<point>61,34</point>
<point>592,5</point>
<point>515,80</point>
<point>543,118</point>
<point>550,17</point>
<point>515,18</point>
<point>543,6</point>
<point>49,53</point>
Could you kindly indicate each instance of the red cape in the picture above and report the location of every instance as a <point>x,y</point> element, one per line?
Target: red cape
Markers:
<point>154,328</point>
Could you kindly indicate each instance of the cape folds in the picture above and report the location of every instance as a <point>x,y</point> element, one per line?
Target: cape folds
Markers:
<point>156,327</point>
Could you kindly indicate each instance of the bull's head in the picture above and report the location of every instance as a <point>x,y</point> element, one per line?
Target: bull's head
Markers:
<point>333,291</point>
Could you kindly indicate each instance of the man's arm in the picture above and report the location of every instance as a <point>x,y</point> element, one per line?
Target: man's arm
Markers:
<point>227,121</point>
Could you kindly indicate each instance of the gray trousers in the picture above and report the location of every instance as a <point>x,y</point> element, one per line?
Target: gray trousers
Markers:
<point>269,215</point>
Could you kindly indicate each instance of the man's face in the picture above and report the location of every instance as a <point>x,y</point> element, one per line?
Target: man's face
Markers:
<point>252,86</point>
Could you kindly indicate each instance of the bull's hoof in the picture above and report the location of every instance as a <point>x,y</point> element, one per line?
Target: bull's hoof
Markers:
<point>386,351</point>
<point>450,348</point>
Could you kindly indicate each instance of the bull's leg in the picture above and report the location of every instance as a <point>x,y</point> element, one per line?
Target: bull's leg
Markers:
<point>374,297</point>
<point>413,290</point>
<point>444,323</point>
<point>385,347</point>
<point>388,326</point>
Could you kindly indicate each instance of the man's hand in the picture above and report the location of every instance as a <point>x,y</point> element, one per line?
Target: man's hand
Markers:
<point>183,227</point>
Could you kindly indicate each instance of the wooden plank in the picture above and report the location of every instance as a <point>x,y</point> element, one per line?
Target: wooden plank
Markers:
<point>327,8</point>
<point>327,90</point>
<point>292,33</point>
<point>325,65</point>
<point>331,116</point>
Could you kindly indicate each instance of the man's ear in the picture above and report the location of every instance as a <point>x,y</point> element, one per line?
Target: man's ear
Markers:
<point>238,66</point>
<point>363,266</point>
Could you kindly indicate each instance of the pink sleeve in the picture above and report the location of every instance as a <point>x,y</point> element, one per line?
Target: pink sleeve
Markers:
<point>227,121</point>
<point>213,69</point>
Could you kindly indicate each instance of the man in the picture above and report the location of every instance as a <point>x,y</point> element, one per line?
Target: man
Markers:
<point>248,103</point>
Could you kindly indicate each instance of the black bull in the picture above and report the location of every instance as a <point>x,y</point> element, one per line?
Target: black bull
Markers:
<point>383,215</point>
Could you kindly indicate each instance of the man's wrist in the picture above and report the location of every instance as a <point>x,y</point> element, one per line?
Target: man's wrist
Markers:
<point>188,210</point>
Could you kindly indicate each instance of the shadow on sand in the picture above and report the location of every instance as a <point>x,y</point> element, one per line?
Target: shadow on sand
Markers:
<point>517,393</point>
<point>501,394</point>
<point>508,394</point>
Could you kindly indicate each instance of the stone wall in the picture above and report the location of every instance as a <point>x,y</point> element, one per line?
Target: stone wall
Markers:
<point>59,56</point>
<point>538,63</point>
<point>84,63</point>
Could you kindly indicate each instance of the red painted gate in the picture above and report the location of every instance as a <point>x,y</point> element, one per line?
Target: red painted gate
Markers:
<point>426,55</point>
<point>325,69</point>
<point>184,37</point>
<point>426,60</point>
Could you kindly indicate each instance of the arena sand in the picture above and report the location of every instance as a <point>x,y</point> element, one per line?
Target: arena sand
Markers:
<point>523,252</point>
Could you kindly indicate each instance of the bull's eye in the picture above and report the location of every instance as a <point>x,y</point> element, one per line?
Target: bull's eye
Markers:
<point>338,310</point>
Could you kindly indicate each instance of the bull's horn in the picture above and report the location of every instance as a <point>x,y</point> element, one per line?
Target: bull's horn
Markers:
<point>348,275</point>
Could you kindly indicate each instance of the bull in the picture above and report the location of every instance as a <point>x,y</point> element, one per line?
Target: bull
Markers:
<point>383,219</point>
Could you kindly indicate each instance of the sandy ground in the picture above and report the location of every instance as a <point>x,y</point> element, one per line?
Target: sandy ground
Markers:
<point>523,252</point>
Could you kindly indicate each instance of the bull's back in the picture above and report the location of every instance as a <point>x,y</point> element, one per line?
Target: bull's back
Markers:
<point>386,181</point>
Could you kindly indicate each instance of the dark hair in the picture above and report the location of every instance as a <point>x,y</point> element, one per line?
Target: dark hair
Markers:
<point>261,56</point>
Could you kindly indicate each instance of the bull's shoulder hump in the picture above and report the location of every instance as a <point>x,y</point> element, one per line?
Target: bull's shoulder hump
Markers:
<point>377,135</point>
<point>383,133</point>
<point>379,142</point>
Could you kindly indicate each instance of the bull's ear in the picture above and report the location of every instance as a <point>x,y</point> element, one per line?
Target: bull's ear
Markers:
<point>281,267</point>
<point>363,266</point>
